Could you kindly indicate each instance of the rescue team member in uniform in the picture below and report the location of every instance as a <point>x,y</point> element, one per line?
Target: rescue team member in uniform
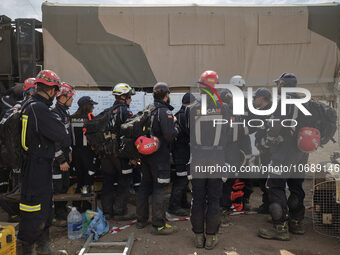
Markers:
<point>285,152</point>
<point>115,169</point>
<point>83,156</point>
<point>262,101</point>
<point>156,167</point>
<point>63,156</point>
<point>181,156</point>
<point>40,131</point>
<point>207,146</point>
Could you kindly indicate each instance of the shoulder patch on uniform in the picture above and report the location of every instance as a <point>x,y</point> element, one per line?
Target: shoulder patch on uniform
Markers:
<point>170,116</point>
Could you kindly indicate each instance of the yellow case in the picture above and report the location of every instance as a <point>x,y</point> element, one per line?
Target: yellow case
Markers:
<point>7,240</point>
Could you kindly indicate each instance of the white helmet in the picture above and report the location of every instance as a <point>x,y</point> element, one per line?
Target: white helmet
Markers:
<point>237,80</point>
<point>123,89</point>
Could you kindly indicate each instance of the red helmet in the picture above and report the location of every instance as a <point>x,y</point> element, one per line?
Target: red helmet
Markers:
<point>308,139</point>
<point>48,78</point>
<point>65,90</point>
<point>147,145</point>
<point>209,78</point>
<point>29,84</point>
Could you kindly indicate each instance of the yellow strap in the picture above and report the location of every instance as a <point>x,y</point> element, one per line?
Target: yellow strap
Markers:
<point>30,208</point>
<point>23,132</point>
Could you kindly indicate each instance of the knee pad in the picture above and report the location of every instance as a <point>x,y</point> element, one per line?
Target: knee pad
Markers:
<point>293,202</point>
<point>276,211</point>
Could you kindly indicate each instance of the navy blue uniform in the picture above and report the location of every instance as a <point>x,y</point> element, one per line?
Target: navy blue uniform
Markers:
<point>181,157</point>
<point>83,157</point>
<point>156,167</point>
<point>208,146</point>
<point>40,131</point>
<point>116,170</point>
<point>285,153</point>
<point>61,179</point>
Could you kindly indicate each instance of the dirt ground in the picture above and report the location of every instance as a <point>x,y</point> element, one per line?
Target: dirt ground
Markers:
<point>240,238</point>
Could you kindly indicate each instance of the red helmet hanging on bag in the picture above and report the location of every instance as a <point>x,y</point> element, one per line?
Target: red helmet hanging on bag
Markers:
<point>147,145</point>
<point>48,78</point>
<point>308,139</point>
<point>65,90</point>
<point>209,78</point>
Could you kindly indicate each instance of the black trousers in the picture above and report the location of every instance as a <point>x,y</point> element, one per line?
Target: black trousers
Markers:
<point>61,184</point>
<point>115,171</point>
<point>179,187</point>
<point>83,158</point>
<point>153,184</point>
<point>225,201</point>
<point>206,194</point>
<point>292,207</point>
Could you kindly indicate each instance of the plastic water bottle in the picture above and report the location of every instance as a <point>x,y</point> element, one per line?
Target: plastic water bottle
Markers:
<point>74,223</point>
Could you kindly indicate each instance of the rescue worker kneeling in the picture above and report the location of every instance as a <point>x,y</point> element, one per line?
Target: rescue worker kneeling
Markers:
<point>40,130</point>
<point>63,158</point>
<point>156,167</point>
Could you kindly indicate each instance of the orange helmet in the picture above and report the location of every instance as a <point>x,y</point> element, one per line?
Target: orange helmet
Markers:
<point>308,139</point>
<point>209,78</point>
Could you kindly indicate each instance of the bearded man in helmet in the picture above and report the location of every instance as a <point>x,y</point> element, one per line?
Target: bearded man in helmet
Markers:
<point>156,166</point>
<point>287,214</point>
<point>40,131</point>
<point>117,171</point>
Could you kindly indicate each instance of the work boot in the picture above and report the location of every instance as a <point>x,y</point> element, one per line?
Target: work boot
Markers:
<point>124,217</point>
<point>165,230</point>
<point>44,243</point>
<point>295,227</point>
<point>210,242</point>
<point>24,248</point>
<point>141,224</point>
<point>199,240</point>
<point>179,212</point>
<point>59,223</point>
<point>277,232</point>
<point>225,219</point>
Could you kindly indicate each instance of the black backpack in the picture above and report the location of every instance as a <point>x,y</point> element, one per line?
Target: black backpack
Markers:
<point>323,118</point>
<point>11,151</point>
<point>99,133</point>
<point>138,125</point>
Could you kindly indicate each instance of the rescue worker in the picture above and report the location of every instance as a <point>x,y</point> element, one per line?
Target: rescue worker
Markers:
<point>10,98</point>
<point>63,156</point>
<point>82,154</point>
<point>282,142</point>
<point>29,88</point>
<point>40,131</point>
<point>115,169</point>
<point>207,146</point>
<point>238,81</point>
<point>181,156</point>
<point>262,101</point>
<point>156,167</point>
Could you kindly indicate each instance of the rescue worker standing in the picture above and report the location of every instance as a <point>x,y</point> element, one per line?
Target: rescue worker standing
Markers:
<point>115,169</point>
<point>63,156</point>
<point>29,88</point>
<point>284,152</point>
<point>207,144</point>
<point>262,101</point>
<point>82,154</point>
<point>40,131</point>
<point>181,156</point>
<point>156,167</point>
